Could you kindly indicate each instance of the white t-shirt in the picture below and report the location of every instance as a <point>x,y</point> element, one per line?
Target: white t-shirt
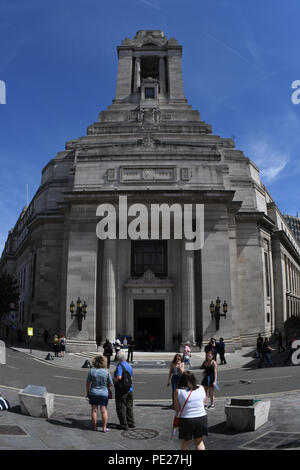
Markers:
<point>194,407</point>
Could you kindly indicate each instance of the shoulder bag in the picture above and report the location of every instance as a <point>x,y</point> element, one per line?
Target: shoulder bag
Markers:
<point>176,418</point>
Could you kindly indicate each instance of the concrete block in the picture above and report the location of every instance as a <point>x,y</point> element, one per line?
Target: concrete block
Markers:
<point>36,401</point>
<point>2,353</point>
<point>247,415</point>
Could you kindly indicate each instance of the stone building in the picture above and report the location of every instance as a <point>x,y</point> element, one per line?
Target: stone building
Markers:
<point>151,146</point>
<point>293,222</point>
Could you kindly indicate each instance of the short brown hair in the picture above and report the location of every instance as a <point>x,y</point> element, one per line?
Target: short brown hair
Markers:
<point>100,362</point>
<point>188,380</point>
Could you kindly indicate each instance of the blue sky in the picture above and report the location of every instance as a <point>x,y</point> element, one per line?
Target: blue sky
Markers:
<point>59,62</point>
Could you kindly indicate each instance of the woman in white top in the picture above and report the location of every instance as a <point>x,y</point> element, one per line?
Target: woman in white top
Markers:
<point>189,402</point>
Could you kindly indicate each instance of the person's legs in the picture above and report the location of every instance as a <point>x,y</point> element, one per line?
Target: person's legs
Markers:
<point>94,416</point>
<point>121,409</point>
<point>185,445</point>
<point>199,443</point>
<point>129,409</point>
<point>269,359</point>
<point>104,417</point>
<point>211,395</point>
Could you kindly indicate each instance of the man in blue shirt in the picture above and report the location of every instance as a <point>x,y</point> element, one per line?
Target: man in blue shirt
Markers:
<point>124,393</point>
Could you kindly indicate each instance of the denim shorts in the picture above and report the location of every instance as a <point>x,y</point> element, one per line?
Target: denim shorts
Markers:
<point>98,400</point>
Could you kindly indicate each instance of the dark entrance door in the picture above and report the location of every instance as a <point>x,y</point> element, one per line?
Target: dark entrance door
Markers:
<point>149,324</point>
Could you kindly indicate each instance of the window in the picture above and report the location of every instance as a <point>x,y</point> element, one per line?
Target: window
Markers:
<point>149,93</point>
<point>149,254</point>
<point>267,274</point>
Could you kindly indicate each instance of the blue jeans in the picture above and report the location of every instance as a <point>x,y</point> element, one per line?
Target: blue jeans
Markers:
<point>265,356</point>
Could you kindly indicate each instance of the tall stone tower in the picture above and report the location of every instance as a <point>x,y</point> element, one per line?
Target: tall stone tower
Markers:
<point>151,146</point>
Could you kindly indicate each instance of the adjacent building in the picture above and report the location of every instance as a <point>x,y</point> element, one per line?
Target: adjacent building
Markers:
<point>152,146</point>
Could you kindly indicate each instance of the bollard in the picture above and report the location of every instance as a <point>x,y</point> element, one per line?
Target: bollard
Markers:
<point>49,357</point>
<point>87,365</point>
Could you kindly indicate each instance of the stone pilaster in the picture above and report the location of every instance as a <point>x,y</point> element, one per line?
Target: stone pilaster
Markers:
<point>187,295</point>
<point>162,75</point>
<point>109,301</point>
<point>124,75</point>
<point>137,74</point>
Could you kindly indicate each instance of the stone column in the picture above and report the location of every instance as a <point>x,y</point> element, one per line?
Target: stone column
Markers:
<point>137,75</point>
<point>187,295</point>
<point>175,76</point>
<point>162,75</point>
<point>124,78</point>
<point>109,304</point>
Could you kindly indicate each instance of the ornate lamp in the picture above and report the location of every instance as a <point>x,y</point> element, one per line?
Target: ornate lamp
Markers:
<point>215,311</point>
<point>79,311</point>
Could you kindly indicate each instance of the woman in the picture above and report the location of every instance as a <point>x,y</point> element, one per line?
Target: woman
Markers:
<point>62,345</point>
<point>189,402</point>
<point>175,371</point>
<point>98,386</point>
<point>210,376</point>
<point>56,345</point>
<point>187,354</point>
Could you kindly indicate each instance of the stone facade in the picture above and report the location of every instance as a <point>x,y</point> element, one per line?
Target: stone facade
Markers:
<point>151,146</point>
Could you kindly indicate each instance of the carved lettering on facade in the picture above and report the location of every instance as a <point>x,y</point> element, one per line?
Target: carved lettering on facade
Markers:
<point>152,174</point>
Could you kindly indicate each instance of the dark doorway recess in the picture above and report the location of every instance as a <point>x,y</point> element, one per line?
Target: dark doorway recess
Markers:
<point>149,324</point>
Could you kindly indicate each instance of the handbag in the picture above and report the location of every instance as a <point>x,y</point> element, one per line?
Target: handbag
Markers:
<point>109,390</point>
<point>176,418</point>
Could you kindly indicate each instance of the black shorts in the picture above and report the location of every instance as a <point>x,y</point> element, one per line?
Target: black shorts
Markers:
<point>192,428</point>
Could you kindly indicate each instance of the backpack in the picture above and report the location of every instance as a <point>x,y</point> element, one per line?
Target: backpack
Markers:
<point>4,405</point>
<point>123,385</point>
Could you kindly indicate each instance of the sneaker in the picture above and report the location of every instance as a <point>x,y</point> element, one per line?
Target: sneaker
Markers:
<point>105,430</point>
<point>132,426</point>
<point>211,406</point>
<point>205,407</point>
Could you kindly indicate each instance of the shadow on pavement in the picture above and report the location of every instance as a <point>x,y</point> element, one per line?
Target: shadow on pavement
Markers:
<point>83,424</point>
<point>15,409</point>
<point>277,358</point>
<point>151,405</point>
<point>221,428</point>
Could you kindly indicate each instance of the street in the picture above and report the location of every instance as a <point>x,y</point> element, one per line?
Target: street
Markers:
<point>149,384</point>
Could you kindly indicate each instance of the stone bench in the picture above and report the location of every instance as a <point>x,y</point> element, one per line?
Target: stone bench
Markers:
<point>36,401</point>
<point>246,414</point>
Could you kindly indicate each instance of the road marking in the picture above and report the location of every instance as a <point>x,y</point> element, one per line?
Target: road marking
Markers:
<point>63,377</point>
<point>139,382</point>
<point>12,367</point>
<point>253,380</point>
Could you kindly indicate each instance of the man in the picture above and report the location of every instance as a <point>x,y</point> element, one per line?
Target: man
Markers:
<point>131,346</point>
<point>221,351</point>
<point>124,393</point>
<point>259,345</point>
<point>266,353</point>
<point>107,351</point>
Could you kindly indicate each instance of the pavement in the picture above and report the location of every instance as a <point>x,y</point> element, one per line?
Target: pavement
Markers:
<point>69,428</point>
<point>70,425</point>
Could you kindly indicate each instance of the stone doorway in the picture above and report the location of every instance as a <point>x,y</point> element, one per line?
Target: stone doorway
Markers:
<point>149,324</point>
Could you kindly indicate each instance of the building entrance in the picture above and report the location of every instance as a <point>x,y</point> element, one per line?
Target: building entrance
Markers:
<point>149,324</point>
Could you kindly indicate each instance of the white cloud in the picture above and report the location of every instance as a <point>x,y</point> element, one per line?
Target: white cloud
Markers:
<point>270,160</point>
